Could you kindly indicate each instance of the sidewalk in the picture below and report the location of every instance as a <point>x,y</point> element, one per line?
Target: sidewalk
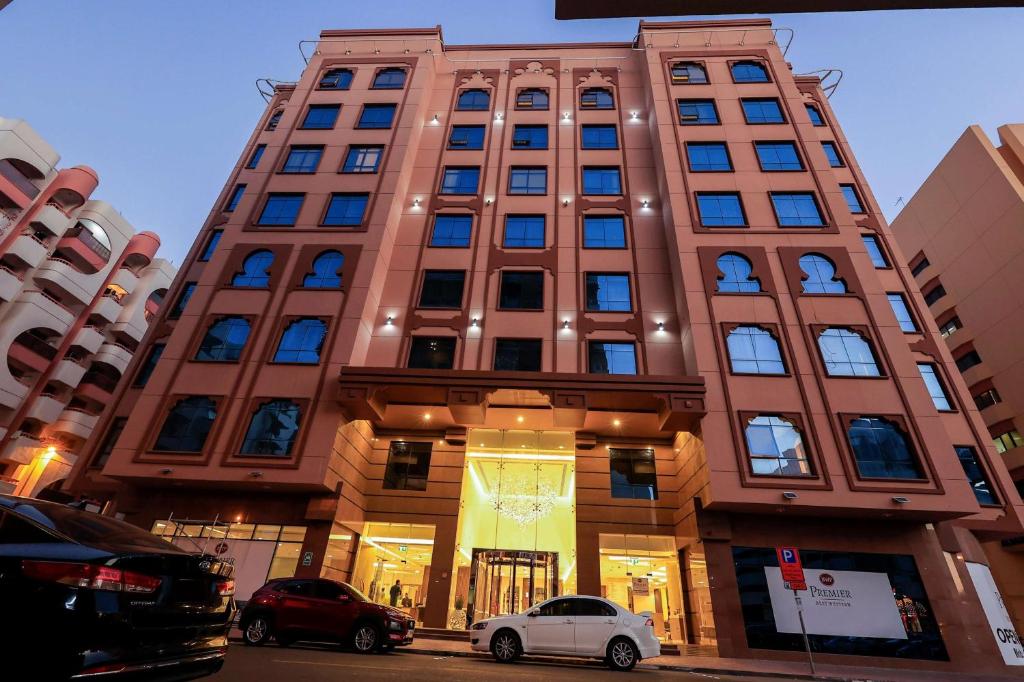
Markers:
<point>713,665</point>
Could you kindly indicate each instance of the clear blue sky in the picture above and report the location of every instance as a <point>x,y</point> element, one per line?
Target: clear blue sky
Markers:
<point>159,97</point>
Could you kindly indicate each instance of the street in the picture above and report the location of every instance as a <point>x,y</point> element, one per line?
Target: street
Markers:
<point>312,664</point>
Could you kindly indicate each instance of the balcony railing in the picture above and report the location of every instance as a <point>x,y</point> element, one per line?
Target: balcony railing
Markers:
<point>18,179</point>
<point>37,346</point>
<point>85,236</point>
<point>105,382</point>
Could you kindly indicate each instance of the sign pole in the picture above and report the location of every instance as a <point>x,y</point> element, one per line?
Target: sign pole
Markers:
<point>803,630</point>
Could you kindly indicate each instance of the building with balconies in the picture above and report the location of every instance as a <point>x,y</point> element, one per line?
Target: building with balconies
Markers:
<point>77,289</point>
<point>506,322</point>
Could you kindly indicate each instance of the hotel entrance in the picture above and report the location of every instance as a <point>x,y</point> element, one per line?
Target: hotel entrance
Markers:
<point>516,537</point>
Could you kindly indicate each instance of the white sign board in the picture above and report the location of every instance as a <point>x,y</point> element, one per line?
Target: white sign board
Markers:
<point>843,603</point>
<point>641,587</point>
<point>995,611</point>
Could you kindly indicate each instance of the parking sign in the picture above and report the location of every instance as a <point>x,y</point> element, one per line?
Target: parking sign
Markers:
<point>791,567</point>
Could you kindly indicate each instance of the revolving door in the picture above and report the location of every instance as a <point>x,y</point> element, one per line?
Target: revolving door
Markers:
<point>503,582</point>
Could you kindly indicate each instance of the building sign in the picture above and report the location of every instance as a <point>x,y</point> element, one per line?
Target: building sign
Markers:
<point>221,548</point>
<point>838,603</point>
<point>307,558</point>
<point>791,567</point>
<point>995,611</point>
<point>641,587</point>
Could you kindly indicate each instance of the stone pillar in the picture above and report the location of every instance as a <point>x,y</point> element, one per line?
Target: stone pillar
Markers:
<point>317,536</point>
<point>435,613</point>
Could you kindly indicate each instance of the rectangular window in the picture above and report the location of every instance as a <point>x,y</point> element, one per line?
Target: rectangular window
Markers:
<point>968,360</point>
<point>697,112</point>
<point>408,466</point>
<point>608,292</point>
<point>814,115</point>
<point>518,355</point>
<point>633,474</point>
<point>762,110</point>
<point>442,289</point>
<point>598,137</point>
<point>524,232</point>
<point>146,370</point>
<point>321,116</point>
<point>109,441</point>
<point>211,245</point>
<point>920,267</point>
<point>467,137</point>
<point>521,291</point>
<point>797,209</point>
<point>705,157</point>
<point>832,154</point>
<point>236,196</point>
<point>874,248</point>
<point>688,73</point>
<point>601,181</point>
<point>464,180</point>
<point>179,306</point>
<point>281,209</point>
<point>346,210</point>
<point>452,230</point>
<point>934,294</point>
<point>530,137</point>
<point>778,156</point>
<point>533,98</point>
<point>432,352</point>
<point>902,312</point>
<point>611,357</point>
<point>363,159</point>
<point>604,232</point>
<point>257,154</point>
<point>1007,441</point>
<point>302,159</point>
<point>987,399</point>
<point>376,116</point>
<point>934,385</point>
<point>852,200</point>
<point>947,328</point>
<point>975,475</point>
<point>720,209</point>
<point>528,180</point>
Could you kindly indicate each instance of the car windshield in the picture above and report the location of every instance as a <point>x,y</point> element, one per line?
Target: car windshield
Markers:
<point>359,596</point>
<point>89,528</point>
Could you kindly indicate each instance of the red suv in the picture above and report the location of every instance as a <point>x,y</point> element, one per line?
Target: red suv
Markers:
<point>290,609</point>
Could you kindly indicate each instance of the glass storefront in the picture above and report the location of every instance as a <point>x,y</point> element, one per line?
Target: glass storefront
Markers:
<point>641,573</point>
<point>393,565</point>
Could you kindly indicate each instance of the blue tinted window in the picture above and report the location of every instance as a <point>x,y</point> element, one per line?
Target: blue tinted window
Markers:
<point>236,196</point>
<point>442,289</point>
<point>302,159</point>
<point>846,354</point>
<point>321,116</point>
<point>797,209</point>
<point>467,137</point>
<point>376,116</point>
<point>211,245</point>
<point>902,312</point>
<point>272,430</point>
<point>363,159</point>
<point>524,231</point>
<point>530,137</point>
<point>976,475</point>
<point>708,156</point>
<point>633,474</point>
<point>326,271</point>
<point>389,79</point>
<point>934,385</point>
<point>697,112</point>
<point>604,232</point>
<point>146,370</point>
<point>762,111</point>
<point>281,209</point>
<point>778,156</point>
<point>881,449</point>
<point>736,275</point>
<point>820,275</point>
<point>183,298</point>
<point>187,425</point>
<point>451,230</point>
<point>336,79</point>
<point>608,292</point>
<point>460,180</point>
<point>302,341</point>
<point>753,350</point>
<point>749,72</point>
<point>528,181</point>
<point>346,210</point>
<point>597,98</point>
<point>598,137</point>
<point>814,115</point>
<point>601,181</point>
<point>608,357</point>
<point>224,340</point>
<point>874,249</point>
<point>474,100</point>
<point>532,98</point>
<point>832,154</point>
<point>255,270</point>
<point>852,200</point>
<point>688,73</point>
<point>720,209</point>
<point>257,154</point>
<point>776,447</point>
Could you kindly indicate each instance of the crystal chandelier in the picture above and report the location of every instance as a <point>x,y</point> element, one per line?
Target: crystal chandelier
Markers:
<point>523,498</point>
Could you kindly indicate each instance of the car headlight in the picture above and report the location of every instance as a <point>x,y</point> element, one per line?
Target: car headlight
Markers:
<point>395,625</point>
<point>480,626</point>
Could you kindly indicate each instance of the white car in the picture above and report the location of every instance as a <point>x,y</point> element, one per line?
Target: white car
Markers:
<point>588,627</point>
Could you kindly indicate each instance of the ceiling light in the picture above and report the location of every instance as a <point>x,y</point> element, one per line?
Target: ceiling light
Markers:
<point>616,422</point>
<point>519,419</point>
<point>426,417</point>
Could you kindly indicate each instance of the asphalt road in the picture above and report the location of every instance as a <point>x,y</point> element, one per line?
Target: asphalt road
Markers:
<point>312,664</point>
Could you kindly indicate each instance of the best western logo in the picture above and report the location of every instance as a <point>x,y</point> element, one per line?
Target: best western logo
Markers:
<point>826,579</point>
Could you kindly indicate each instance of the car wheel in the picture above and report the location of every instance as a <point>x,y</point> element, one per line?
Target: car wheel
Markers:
<point>505,646</point>
<point>256,631</point>
<point>366,638</point>
<point>622,654</point>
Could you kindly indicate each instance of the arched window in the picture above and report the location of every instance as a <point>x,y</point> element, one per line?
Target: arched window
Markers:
<point>749,72</point>
<point>776,447</point>
<point>597,98</point>
<point>275,118</point>
<point>847,354</point>
<point>326,271</point>
<point>532,98</point>
<point>187,425</point>
<point>224,340</point>
<point>336,79</point>
<point>389,79</point>
<point>881,449</point>
<point>302,341</point>
<point>474,100</point>
<point>736,275</point>
<point>753,350</point>
<point>273,429</point>
<point>255,270</point>
<point>689,73</point>
<point>820,275</point>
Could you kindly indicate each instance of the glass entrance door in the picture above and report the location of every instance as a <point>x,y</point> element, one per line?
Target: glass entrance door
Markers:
<point>504,582</point>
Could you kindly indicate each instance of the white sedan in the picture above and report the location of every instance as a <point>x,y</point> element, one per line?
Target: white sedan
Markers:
<point>588,627</point>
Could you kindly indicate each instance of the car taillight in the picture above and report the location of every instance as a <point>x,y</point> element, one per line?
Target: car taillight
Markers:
<point>225,588</point>
<point>649,623</point>
<point>90,576</point>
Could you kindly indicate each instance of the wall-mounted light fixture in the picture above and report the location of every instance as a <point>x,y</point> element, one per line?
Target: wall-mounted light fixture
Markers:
<point>390,321</point>
<point>566,116</point>
<point>415,203</point>
<point>634,115</point>
<point>475,322</point>
<point>437,119</point>
<point>167,471</point>
<point>255,474</point>
<point>789,495</point>
<point>899,499</point>
<point>645,204</point>
<point>565,202</point>
<point>565,324</point>
<point>661,326</point>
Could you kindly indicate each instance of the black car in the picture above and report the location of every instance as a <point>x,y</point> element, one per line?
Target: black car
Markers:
<point>85,595</point>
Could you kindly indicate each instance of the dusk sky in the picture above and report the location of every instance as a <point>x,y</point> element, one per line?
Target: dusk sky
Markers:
<point>160,97</point>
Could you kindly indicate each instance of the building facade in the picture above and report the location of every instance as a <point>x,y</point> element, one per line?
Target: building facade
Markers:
<point>502,322</point>
<point>962,233</point>
<point>78,288</point>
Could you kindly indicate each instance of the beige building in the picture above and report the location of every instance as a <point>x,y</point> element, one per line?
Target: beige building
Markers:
<point>78,288</point>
